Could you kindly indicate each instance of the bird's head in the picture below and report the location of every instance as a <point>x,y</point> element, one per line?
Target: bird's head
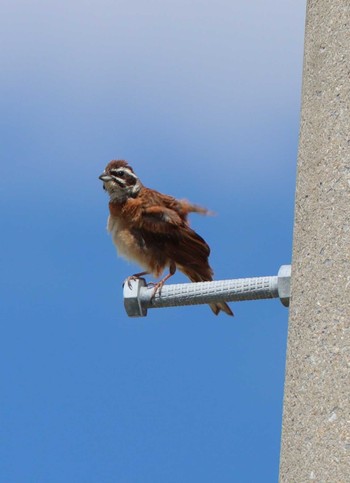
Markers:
<point>120,181</point>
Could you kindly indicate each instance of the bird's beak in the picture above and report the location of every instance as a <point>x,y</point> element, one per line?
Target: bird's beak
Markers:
<point>105,177</point>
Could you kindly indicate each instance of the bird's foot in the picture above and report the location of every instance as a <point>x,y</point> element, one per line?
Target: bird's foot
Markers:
<point>133,278</point>
<point>159,285</point>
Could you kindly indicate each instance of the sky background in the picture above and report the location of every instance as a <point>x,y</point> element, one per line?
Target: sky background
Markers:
<point>203,99</point>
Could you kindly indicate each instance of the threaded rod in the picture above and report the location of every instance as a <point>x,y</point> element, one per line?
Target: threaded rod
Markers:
<point>138,297</point>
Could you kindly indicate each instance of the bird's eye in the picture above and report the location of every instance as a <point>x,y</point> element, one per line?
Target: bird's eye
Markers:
<point>119,174</point>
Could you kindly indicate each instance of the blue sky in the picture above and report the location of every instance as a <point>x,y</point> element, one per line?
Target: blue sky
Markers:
<point>203,100</point>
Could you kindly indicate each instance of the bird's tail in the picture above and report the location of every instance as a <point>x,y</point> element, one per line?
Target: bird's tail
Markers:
<point>195,276</point>
<point>216,308</point>
<point>192,260</point>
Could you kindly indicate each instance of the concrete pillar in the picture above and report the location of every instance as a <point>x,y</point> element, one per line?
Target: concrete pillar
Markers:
<point>316,419</point>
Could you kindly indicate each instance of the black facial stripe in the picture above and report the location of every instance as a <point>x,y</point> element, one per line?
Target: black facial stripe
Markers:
<point>120,182</point>
<point>126,180</point>
<point>118,172</point>
<point>131,180</point>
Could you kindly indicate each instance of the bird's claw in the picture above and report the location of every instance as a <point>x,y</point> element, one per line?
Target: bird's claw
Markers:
<point>133,278</point>
<point>157,287</point>
<point>129,281</point>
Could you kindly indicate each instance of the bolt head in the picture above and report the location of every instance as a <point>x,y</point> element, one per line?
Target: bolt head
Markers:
<point>132,299</point>
<point>283,284</point>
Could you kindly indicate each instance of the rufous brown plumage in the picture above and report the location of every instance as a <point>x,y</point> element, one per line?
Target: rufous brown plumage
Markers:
<point>152,229</point>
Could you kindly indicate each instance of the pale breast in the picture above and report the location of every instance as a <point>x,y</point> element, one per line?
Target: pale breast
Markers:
<point>129,244</point>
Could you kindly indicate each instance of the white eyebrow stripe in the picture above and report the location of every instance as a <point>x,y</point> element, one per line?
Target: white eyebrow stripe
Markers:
<point>132,174</point>
<point>129,172</point>
<point>124,170</point>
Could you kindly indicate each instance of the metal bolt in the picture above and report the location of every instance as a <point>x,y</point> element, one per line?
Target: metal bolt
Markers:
<point>138,297</point>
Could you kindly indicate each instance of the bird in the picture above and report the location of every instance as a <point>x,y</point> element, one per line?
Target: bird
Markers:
<point>152,229</point>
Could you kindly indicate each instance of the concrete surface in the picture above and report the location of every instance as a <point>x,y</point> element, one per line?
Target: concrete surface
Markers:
<point>316,419</point>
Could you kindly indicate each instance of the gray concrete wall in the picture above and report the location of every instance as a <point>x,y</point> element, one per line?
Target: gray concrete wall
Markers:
<point>316,419</point>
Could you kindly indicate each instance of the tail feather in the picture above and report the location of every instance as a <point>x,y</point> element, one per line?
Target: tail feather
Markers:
<point>216,308</point>
<point>192,260</point>
<point>205,276</point>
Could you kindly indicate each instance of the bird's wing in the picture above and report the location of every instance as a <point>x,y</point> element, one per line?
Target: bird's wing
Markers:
<point>188,207</point>
<point>182,207</point>
<point>165,229</point>
<point>160,220</point>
